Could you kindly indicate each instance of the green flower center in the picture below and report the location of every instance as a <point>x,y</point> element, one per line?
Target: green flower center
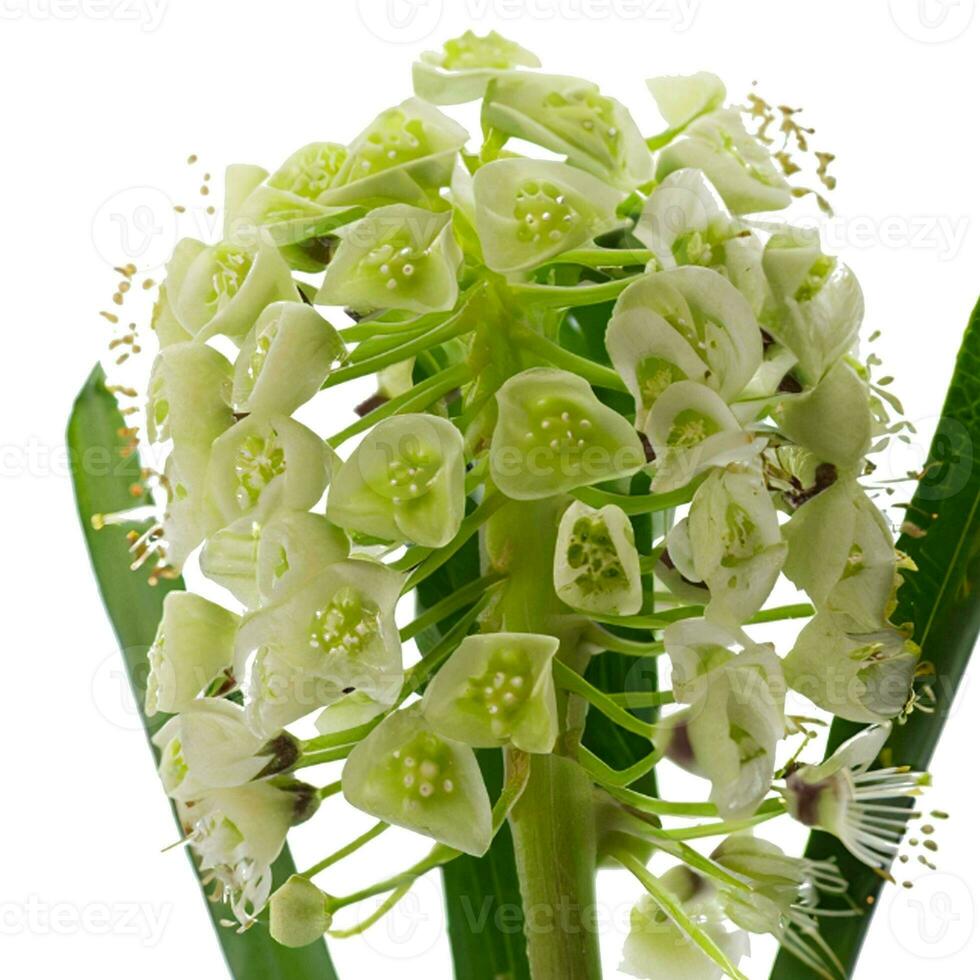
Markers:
<point>740,531</point>
<point>591,551</point>
<point>655,375</point>
<point>586,119</point>
<point>259,461</point>
<point>346,625</point>
<point>262,347</point>
<point>690,428</point>
<point>560,425</point>
<point>396,261</point>
<point>394,141</point>
<point>543,212</point>
<point>411,474</point>
<point>502,689</point>
<point>424,768</point>
<point>816,278</point>
<point>310,173</point>
<point>231,267</point>
<point>471,51</point>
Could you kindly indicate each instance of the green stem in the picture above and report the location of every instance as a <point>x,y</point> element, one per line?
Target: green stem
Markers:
<point>431,662</point>
<point>446,607</point>
<point>640,503</point>
<point>471,524</point>
<point>553,826</point>
<point>573,681</point>
<point>561,297</point>
<point>642,699</point>
<point>457,324</point>
<point>355,845</point>
<point>776,614</point>
<point>605,775</point>
<point>414,400</point>
<point>605,640</point>
<point>672,907</point>
<point>603,258</point>
<point>595,374</point>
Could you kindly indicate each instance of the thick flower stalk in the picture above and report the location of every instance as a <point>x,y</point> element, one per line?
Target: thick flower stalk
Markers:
<point>716,371</point>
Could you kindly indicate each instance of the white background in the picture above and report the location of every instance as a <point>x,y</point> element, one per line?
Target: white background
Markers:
<point>103,96</point>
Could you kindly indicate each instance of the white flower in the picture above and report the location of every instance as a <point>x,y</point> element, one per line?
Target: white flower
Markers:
<point>735,543</point>
<point>209,747</point>
<point>863,677</point>
<point>734,715</point>
<point>858,805</point>
<point>194,643</point>
<point>842,554</point>
<point>237,834</point>
<point>656,948</point>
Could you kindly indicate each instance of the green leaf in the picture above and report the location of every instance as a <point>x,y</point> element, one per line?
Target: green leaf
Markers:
<point>103,478</point>
<point>940,600</point>
<point>483,899</point>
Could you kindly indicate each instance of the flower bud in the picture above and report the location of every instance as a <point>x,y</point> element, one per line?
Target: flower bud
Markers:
<point>299,913</point>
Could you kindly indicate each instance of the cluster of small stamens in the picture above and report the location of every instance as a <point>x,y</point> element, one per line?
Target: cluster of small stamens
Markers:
<point>591,551</point>
<point>564,430</point>
<point>396,141</point>
<point>543,212</point>
<point>503,688</point>
<point>424,767</point>
<point>394,260</point>
<point>231,267</point>
<point>259,461</point>
<point>346,624</point>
